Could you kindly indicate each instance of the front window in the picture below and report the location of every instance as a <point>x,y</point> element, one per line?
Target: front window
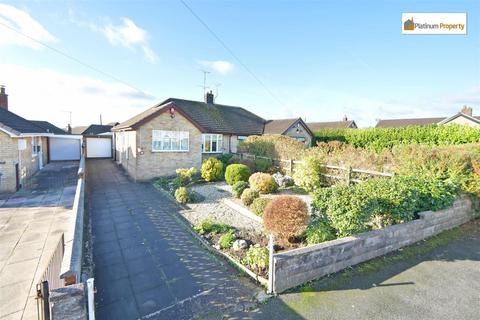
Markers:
<point>35,146</point>
<point>164,141</point>
<point>212,143</point>
<point>301,139</point>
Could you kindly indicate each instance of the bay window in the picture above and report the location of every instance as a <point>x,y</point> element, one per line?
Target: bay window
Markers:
<point>212,143</point>
<point>170,141</point>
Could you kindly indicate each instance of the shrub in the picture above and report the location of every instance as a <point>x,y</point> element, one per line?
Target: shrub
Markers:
<point>182,195</point>
<point>237,188</point>
<point>263,165</point>
<point>208,226</point>
<point>272,146</point>
<point>211,169</point>
<point>319,231</point>
<point>381,138</point>
<point>237,172</point>
<point>249,163</point>
<point>257,258</point>
<point>283,181</point>
<point>263,182</point>
<point>226,240</point>
<point>380,202</point>
<point>162,183</point>
<point>248,195</point>
<point>225,158</point>
<point>286,217</point>
<point>307,174</point>
<point>185,175</point>
<point>258,205</point>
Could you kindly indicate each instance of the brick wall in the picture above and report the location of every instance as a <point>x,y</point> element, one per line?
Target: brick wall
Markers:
<point>298,266</point>
<point>9,156</point>
<point>155,164</point>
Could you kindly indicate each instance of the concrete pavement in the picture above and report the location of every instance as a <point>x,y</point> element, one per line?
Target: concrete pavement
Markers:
<point>31,223</point>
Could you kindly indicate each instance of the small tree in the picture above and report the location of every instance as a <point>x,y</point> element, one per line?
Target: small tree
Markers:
<point>286,217</point>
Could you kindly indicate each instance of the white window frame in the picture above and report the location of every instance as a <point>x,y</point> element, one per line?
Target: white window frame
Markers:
<point>35,146</point>
<point>160,137</point>
<point>213,137</point>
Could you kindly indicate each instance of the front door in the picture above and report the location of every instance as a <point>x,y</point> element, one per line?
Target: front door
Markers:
<point>17,176</point>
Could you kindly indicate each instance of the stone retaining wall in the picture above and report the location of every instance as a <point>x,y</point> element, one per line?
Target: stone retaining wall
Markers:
<point>298,266</point>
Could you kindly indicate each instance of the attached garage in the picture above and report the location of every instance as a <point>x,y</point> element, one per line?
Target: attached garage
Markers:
<point>65,148</point>
<point>99,147</point>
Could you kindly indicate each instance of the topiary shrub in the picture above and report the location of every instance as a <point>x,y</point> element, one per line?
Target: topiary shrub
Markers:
<point>286,217</point>
<point>211,169</point>
<point>258,205</point>
<point>319,231</point>
<point>237,172</point>
<point>226,240</point>
<point>263,182</point>
<point>182,195</point>
<point>263,165</point>
<point>307,174</point>
<point>237,188</point>
<point>257,258</point>
<point>248,195</point>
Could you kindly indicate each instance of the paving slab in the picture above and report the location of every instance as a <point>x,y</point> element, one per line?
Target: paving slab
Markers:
<point>147,264</point>
<point>31,223</point>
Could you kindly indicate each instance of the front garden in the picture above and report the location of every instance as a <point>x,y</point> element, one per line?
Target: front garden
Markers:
<point>234,202</point>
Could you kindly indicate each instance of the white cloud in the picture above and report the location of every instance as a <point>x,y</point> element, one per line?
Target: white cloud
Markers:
<point>220,66</point>
<point>44,94</point>
<point>131,36</point>
<point>23,22</point>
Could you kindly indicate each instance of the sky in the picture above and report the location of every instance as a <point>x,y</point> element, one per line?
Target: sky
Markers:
<point>319,60</point>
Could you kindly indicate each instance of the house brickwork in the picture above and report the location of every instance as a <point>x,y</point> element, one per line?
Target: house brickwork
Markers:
<point>11,155</point>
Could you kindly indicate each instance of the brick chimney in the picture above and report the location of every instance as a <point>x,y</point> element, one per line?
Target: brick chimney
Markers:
<point>467,110</point>
<point>209,97</point>
<point>3,98</point>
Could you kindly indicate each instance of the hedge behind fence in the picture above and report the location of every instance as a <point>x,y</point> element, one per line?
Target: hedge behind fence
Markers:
<point>381,138</point>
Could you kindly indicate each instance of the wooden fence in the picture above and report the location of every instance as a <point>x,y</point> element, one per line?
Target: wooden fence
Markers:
<point>333,172</point>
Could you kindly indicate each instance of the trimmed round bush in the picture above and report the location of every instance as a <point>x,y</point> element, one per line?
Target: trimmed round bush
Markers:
<point>237,172</point>
<point>318,232</point>
<point>182,195</point>
<point>226,240</point>
<point>248,195</point>
<point>263,182</point>
<point>237,188</point>
<point>286,217</point>
<point>211,169</point>
<point>258,205</point>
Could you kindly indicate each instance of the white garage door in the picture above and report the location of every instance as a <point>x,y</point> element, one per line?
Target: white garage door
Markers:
<point>99,148</point>
<point>64,149</point>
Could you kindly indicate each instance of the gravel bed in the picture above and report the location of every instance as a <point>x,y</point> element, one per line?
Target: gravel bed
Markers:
<point>213,207</point>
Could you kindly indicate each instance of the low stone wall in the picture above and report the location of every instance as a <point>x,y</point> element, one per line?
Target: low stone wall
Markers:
<point>298,266</point>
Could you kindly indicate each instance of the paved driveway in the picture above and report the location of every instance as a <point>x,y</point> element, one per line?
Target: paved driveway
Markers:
<point>31,223</point>
<point>146,263</point>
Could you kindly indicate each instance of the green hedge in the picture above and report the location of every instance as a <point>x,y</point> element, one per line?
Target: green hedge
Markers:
<point>380,202</point>
<point>380,138</point>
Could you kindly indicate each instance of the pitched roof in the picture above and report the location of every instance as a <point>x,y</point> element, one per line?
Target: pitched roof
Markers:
<point>461,114</point>
<point>396,123</point>
<point>212,118</point>
<point>97,129</point>
<point>18,125</point>
<point>48,127</point>
<point>315,126</point>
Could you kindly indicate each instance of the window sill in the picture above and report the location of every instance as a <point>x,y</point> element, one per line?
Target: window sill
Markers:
<point>170,151</point>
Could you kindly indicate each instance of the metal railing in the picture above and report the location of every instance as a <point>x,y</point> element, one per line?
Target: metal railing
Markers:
<point>50,280</point>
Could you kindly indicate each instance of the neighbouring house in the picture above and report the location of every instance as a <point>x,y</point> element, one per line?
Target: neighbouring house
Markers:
<point>464,117</point>
<point>181,133</point>
<point>25,146</point>
<point>294,128</point>
<point>344,124</point>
